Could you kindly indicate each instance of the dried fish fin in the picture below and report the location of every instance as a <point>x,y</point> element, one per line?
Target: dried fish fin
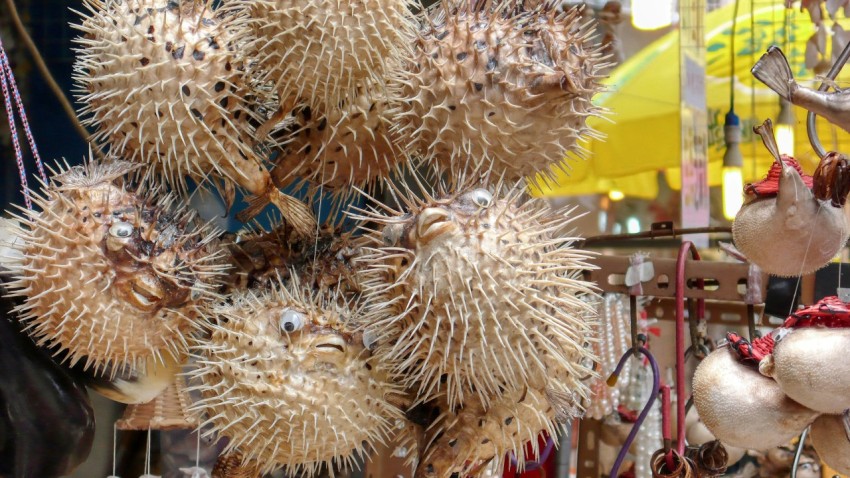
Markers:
<point>773,70</point>
<point>231,466</point>
<point>293,211</point>
<point>765,130</point>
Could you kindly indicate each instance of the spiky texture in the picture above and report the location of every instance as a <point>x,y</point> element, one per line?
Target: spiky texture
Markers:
<point>497,90</point>
<point>460,443</point>
<point>159,82</point>
<point>294,396</point>
<point>475,295</point>
<point>110,276</point>
<point>318,51</point>
<point>341,147</point>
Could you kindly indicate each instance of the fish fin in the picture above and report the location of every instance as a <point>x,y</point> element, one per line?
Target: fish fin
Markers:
<point>255,205</point>
<point>296,212</point>
<point>773,70</point>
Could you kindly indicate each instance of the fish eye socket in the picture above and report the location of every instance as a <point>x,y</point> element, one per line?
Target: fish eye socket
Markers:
<point>121,229</point>
<point>481,198</point>
<point>290,321</point>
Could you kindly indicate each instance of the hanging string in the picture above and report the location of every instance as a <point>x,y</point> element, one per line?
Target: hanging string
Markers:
<point>148,455</point>
<point>10,89</point>
<point>198,449</point>
<point>7,67</point>
<point>114,448</point>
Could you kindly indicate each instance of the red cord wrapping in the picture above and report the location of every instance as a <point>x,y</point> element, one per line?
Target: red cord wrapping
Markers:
<point>769,186</point>
<point>829,312</point>
<point>666,430</point>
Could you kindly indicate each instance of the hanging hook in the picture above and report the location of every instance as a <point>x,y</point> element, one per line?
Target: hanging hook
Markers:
<point>685,248</point>
<point>656,383</point>
<point>799,452</point>
<point>811,118</point>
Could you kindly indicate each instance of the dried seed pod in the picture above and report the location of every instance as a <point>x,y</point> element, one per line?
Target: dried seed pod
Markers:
<point>494,89</point>
<point>289,384</point>
<point>160,83</point>
<point>112,277</point>
<point>475,295</point>
<point>318,51</point>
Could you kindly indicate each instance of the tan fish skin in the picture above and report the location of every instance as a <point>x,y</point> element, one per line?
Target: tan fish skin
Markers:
<point>773,70</point>
<point>793,233</point>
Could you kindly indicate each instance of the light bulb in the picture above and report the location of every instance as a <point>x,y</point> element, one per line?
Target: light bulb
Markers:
<point>652,14</point>
<point>616,195</point>
<point>733,180</point>
<point>632,225</point>
<point>733,188</point>
<point>785,138</point>
<point>785,128</point>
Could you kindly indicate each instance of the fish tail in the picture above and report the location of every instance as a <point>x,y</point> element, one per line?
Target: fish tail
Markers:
<point>295,212</point>
<point>255,205</point>
<point>773,70</point>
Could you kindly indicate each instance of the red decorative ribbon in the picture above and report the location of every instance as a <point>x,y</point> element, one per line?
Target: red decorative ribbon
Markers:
<point>769,186</point>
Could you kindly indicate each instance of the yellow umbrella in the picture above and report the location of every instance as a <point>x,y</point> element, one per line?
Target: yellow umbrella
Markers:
<point>643,96</point>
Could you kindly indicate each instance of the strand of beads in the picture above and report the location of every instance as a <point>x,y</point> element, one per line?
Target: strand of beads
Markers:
<point>613,343</point>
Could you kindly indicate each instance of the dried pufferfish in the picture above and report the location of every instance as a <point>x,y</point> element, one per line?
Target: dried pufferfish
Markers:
<point>494,89</point>
<point>283,378</point>
<point>478,295</point>
<point>319,51</point>
<point>335,149</point>
<point>461,442</point>
<point>325,261</point>
<point>160,82</point>
<point>113,278</point>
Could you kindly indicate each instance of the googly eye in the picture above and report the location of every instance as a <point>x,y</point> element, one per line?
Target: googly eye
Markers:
<point>121,229</point>
<point>290,321</point>
<point>370,339</point>
<point>481,198</point>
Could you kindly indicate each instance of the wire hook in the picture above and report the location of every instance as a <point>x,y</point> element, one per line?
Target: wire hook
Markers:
<point>811,128</point>
<point>686,247</point>
<point>656,383</point>
<point>799,452</point>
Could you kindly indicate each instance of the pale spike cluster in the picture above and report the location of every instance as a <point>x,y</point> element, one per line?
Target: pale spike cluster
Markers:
<point>321,345</point>
<point>291,385</point>
<point>112,277</point>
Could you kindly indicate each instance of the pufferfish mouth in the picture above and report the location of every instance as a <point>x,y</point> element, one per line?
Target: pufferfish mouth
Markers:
<point>143,297</point>
<point>432,222</point>
<point>332,344</point>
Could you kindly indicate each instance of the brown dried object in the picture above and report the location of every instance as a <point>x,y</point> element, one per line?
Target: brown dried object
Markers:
<point>231,466</point>
<point>161,84</point>
<point>114,278</point>
<point>475,295</point>
<point>497,90</point>
<point>460,443</point>
<point>286,380</point>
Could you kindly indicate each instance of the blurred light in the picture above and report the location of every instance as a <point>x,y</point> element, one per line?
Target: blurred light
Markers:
<point>652,14</point>
<point>632,225</point>
<point>616,228</point>
<point>785,128</point>
<point>602,221</point>
<point>616,195</point>
<point>733,180</point>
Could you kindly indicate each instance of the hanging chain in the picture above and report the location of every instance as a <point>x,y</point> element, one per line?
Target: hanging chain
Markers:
<point>10,90</point>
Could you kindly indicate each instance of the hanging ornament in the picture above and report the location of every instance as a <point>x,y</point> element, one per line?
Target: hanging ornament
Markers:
<point>287,380</point>
<point>497,90</point>
<point>475,295</point>
<point>161,85</point>
<point>113,277</point>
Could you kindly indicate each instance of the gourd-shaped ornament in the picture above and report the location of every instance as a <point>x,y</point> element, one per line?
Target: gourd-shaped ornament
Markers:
<point>784,227</point>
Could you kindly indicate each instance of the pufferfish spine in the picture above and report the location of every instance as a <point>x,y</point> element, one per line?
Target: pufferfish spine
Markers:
<point>496,89</point>
<point>285,379</point>
<point>318,51</point>
<point>112,277</point>
<point>475,295</point>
